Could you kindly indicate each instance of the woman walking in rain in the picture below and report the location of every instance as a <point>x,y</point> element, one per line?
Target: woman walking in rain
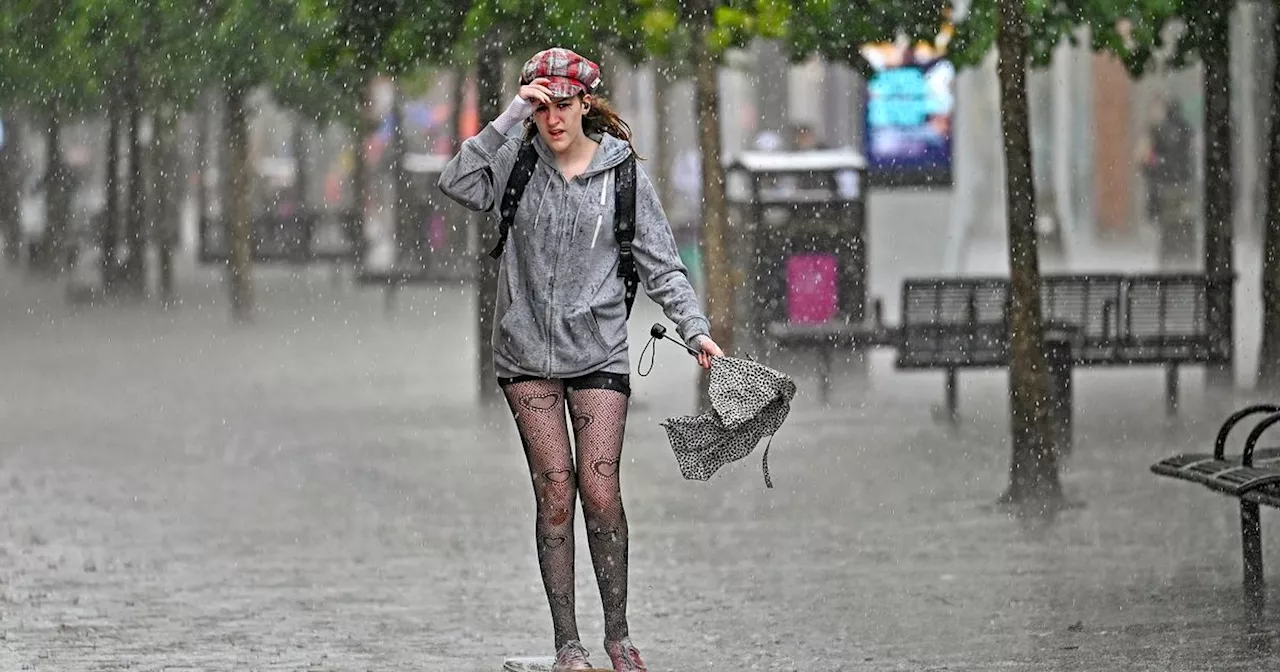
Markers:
<point>585,225</point>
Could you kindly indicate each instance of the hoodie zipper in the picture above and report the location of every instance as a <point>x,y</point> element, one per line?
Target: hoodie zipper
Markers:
<point>551,282</point>
<point>560,244</point>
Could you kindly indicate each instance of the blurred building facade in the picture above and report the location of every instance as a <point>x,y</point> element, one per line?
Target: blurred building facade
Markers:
<point>1089,117</point>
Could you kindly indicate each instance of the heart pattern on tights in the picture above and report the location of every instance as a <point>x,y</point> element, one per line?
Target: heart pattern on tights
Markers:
<point>543,402</point>
<point>558,475</point>
<point>606,468</point>
<point>581,422</point>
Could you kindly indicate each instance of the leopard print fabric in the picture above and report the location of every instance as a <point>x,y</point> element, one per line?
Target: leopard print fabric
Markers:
<point>749,401</point>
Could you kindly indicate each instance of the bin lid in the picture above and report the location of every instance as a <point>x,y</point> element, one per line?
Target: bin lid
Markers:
<point>420,162</point>
<point>843,158</point>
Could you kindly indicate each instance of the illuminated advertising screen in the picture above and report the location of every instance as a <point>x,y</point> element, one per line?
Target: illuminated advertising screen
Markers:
<point>910,109</point>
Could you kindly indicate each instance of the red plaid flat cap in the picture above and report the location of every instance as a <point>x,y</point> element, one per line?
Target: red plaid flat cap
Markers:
<point>568,72</point>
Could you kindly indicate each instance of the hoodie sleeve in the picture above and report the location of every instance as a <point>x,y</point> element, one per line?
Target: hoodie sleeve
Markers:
<point>478,172</point>
<point>665,278</point>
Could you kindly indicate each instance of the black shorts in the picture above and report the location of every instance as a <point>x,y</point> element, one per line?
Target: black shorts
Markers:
<point>601,380</point>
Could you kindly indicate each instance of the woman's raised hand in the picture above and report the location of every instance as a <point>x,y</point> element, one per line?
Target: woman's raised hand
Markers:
<point>536,91</point>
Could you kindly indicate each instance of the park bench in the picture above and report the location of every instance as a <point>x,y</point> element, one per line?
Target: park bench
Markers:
<point>1105,320</point>
<point>1252,477</point>
<point>430,242</point>
<point>283,239</point>
<point>1108,319</point>
<point>393,279</point>
<point>828,338</point>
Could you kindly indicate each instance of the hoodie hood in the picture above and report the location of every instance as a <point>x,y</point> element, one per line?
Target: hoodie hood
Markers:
<point>611,153</point>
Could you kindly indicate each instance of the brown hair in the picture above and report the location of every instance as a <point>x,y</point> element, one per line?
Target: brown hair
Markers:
<point>601,118</point>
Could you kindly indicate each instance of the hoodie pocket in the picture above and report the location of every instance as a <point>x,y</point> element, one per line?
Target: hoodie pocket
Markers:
<point>518,336</point>
<point>579,343</point>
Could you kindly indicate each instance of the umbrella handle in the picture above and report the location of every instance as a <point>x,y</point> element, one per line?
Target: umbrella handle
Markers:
<point>659,331</point>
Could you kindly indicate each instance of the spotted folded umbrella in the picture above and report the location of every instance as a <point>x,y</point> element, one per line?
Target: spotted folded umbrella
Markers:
<point>749,401</point>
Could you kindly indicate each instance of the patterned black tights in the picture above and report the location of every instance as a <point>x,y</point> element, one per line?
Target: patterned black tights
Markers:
<point>599,422</point>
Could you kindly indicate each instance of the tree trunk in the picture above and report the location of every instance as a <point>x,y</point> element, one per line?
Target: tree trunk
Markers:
<point>57,187</point>
<point>10,190</point>
<point>459,108</point>
<point>204,137</point>
<point>238,216</point>
<point>662,81</point>
<point>454,254</point>
<point>1269,359</point>
<point>408,242</point>
<point>109,233</point>
<point>302,169</point>
<point>772,73</point>
<point>134,273</point>
<point>359,172</point>
<point>1219,188</point>
<point>301,187</point>
<point>715,211</point>
<point>1034,466</point>
<point>489,75</point>
<point>168,202</point>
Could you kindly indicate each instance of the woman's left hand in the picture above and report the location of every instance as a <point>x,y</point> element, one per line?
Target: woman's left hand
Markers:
<point>709,350</point>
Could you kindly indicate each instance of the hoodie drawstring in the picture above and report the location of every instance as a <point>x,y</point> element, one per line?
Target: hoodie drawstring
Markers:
<point>538,212</point>
<point>604,190</point>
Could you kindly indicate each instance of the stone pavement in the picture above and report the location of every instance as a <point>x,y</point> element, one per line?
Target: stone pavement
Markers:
<point>319,491</point>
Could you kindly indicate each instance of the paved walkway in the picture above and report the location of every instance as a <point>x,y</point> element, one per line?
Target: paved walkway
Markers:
<point>318,491</point>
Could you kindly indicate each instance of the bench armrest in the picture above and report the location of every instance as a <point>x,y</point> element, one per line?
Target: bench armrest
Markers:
<point>1220,445</point>
<point>1246,459</point>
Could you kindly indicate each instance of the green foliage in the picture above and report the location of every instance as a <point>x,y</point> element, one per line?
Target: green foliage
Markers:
<point>316,54</point>
<point>146,44</point>
<point>587,27</point>
<point>42,66</point>
<point>379,36</point>
<point>1206,22</point>
<point>249,42</point>
<point>1129,29</point>
<point>837,29</point>
<point>665,31</point>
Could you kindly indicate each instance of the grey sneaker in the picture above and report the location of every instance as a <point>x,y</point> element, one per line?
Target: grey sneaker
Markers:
<point>571,656</point>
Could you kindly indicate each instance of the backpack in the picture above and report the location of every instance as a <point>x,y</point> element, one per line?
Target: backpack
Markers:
<point>624,220</point>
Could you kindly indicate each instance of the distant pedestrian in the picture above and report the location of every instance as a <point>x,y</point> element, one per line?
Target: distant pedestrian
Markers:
<point>587,228</point>
<point>1168,165</point>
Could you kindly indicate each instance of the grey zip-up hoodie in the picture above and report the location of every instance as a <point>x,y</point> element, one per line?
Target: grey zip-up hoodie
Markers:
<point>560,310</point>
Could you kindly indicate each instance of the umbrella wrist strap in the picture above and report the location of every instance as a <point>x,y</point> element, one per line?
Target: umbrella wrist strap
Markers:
<point>653,352</point>
<point>764,464</point>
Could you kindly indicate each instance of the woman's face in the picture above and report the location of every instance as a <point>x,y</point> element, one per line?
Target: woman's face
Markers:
<point>560,122</point>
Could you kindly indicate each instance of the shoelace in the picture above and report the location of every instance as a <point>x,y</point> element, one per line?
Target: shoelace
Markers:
<point>572,652</point>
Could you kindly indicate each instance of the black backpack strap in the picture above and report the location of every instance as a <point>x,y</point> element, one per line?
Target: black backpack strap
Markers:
<point>526,161</point>
<point>624,226</point>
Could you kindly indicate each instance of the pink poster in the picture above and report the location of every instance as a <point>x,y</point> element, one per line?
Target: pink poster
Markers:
<point>437,231</point>
<point>812,288</point>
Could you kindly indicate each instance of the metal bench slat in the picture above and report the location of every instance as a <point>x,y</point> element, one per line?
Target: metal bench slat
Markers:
<point>1266,495</point>
<point>1227,475</point>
